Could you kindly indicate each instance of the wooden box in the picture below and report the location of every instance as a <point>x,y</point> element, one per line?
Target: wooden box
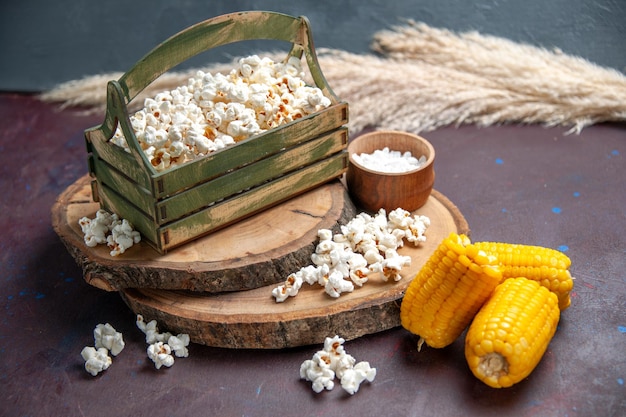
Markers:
<point>172,207</point>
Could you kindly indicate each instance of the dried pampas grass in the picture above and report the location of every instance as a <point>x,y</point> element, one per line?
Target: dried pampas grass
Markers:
<point>494,80</point>
<point>425,78</point>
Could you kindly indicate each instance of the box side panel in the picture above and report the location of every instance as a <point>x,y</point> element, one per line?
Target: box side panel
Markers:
<point>248,151</point>
<point>253,201</point>
<point>250,176</point>
<point>120,159</point>
<point>115,203</point>
<point>123,185</point>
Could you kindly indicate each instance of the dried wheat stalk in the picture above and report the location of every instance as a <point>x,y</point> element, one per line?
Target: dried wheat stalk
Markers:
<point>427,78</point>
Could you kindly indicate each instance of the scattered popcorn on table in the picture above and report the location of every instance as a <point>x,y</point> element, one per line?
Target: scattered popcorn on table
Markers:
<point>366,245</point>
<point>161,345</point>
<point>161,354</point>
<point>333,361</point>
<point>353,377</point>
<point>212,112</point>
<point>179,344</point>
<point>109,229</point>
<point>318,371</point>
<point>384,160</point>
<point>96,360</point>
<point>106,339</point>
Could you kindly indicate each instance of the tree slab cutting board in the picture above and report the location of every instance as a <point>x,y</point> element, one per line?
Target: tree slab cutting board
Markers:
<point>185,290</point>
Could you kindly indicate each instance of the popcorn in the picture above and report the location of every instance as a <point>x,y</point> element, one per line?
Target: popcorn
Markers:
<point>151,331</point>
<point>290,288</point>
<point>393,264</point>
<point>255,96</point>
<point>96,360</point>
<point>384,160</point>
<point>179,344</point>
<point>96,229</point>
<point>353,377</point>
<point>161,354</point>
<point>122,237</point>
<point>317,370</point>
<point>161,345</point>
<point>107,337</point>
<point>366,245</point>
<point>333,361</point>
<point>335,284</point>
<point>108,229</point>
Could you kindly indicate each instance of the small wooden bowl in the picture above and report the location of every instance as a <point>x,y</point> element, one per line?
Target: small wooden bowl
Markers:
<point>372,190</point>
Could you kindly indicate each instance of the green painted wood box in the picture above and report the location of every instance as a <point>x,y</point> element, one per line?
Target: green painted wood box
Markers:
<point>172,207</point>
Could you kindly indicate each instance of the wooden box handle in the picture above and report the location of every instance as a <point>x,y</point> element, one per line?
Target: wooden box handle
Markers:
<point>211,33</point>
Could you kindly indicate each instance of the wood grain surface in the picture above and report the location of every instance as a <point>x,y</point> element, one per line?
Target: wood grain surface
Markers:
<point>254,320</point>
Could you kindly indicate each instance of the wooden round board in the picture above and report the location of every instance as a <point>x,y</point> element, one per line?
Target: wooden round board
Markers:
<point>258,251</point>
<point>254,320</point>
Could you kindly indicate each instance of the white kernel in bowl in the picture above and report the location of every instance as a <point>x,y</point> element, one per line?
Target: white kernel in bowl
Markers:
<point>390,162</point>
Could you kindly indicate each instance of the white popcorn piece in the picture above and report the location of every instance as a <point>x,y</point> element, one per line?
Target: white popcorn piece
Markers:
<point>161,354</point>
<point>178,345</point>
<point>418,228</point>
<point>400,218</point>
<point>324,234</point>
<point>336,284</point>
<point>333,361</point>
<point>141,323</point>
<point>339,359</point>
<point>290,288</point>
<point>151,330</point>
<point>122,237</point>
<point>373,256</point>
<point>393,264</point>
<point>96,360</point>
<point>352,378</point>
<point>317,371</point>
<point>105,336</point>
<point>95,230</point>
<point>107,228</point>
<point>315,274</point>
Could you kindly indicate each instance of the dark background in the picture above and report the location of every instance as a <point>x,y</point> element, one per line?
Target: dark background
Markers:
<point>43,43</point>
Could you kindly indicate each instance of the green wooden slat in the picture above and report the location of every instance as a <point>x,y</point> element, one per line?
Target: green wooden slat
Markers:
<point>248,151</point>
<point>116,180</point>
<point>119,158</point>
<point>248,203</point>
<point>250,176</point>
<point>115,203</point>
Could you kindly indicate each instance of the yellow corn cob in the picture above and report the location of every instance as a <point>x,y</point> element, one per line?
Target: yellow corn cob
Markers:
<point>446,293</point>
<point>511,332</point>
<point>549,267</point>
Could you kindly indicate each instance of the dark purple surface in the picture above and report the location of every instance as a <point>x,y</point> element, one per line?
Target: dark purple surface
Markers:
<point>521,184</point>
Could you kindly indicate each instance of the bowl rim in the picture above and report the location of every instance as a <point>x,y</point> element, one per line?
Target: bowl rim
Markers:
<point>429,161</point>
